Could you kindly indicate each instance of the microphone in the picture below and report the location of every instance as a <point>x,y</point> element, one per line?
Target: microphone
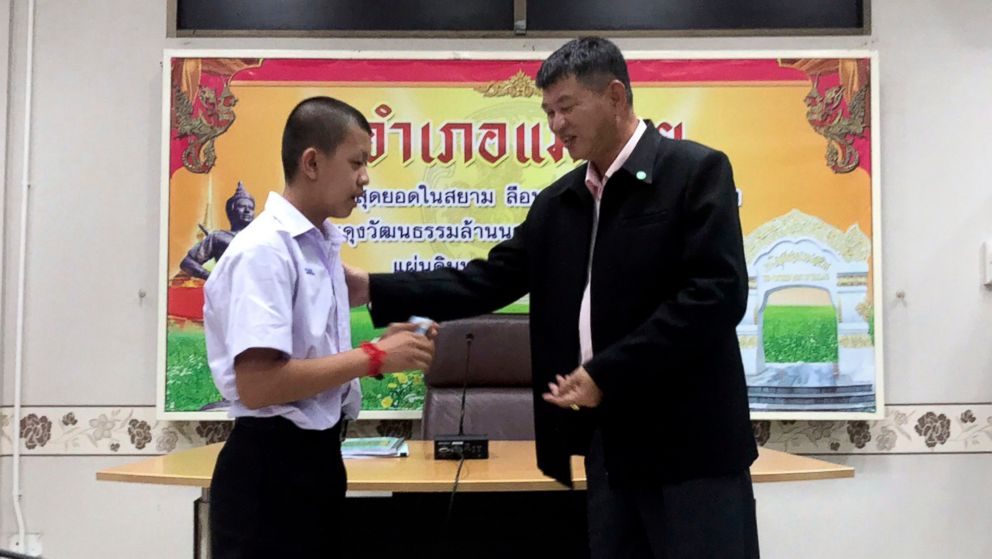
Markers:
<point>462,446</point>
<point>468,363</point>
<point>457,447</point>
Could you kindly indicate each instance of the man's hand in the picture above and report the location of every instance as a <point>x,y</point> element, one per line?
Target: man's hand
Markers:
<point>358,285</point>
<point>575,390</point>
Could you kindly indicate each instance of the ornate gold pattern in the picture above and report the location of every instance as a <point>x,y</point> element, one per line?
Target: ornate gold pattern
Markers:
<point>866,309</point>
<point>852,245</point>
<point>854,341</point>
<point>785,278</point>
<point>520,85</point>
<point>749,342</point>
<point>852,280</point>
<point>214,119</point>
<point>793,257</point>
<point>825,114</point>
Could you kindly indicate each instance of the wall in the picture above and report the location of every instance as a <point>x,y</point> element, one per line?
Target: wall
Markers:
<point>90,339</point>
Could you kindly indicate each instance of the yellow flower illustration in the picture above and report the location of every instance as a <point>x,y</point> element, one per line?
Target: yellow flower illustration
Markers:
<point>391,385</point>
<point>402,378</point>
<point>387,402</point>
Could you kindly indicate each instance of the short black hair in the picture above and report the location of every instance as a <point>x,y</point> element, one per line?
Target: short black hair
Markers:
<point>318,122</point>
<point>594,61</point>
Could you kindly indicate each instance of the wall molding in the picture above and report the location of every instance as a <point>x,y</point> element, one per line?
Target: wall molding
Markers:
<point>906,429</point>
<point>86,430</point>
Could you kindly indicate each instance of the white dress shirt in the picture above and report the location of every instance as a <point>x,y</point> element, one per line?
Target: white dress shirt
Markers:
<point>596,184</point>
<point>280,285</point>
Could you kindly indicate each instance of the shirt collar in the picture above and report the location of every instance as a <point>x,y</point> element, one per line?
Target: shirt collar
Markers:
<point>640,164</point>
<point>297,224</point>
<point>621,159</point>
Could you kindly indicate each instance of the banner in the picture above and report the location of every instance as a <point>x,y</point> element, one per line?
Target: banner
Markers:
<point>460,150</point>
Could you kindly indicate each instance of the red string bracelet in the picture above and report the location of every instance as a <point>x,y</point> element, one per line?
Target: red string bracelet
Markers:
<point>376,358</point>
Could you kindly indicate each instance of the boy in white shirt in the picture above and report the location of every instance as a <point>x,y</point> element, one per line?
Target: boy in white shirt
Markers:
<point>277,324</point>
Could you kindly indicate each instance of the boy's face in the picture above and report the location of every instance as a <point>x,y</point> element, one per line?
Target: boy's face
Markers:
<point>343,174</point>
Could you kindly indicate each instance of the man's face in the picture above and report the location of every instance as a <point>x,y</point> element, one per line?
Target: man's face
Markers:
<point>243,212</point>
<point>581,118</point>
<point>343,174</point>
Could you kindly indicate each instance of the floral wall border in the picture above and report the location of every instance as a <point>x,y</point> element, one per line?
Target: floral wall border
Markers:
<point>906,429</point>
<point>134,431</point>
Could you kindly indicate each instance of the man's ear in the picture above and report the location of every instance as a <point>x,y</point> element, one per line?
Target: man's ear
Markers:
<point>308,163</point>
<point>617,93</point>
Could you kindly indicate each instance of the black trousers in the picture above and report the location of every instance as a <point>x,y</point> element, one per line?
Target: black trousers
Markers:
<point>277,491</point>
<point>708,518</point>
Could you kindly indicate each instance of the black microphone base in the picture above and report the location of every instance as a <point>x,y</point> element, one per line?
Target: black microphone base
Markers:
<point>455,447</point>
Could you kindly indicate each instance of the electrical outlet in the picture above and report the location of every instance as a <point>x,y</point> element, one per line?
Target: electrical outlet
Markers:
<point>30,546</point>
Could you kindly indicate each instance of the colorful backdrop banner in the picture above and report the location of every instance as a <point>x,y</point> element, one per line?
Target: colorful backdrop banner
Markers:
<point>460,150</point>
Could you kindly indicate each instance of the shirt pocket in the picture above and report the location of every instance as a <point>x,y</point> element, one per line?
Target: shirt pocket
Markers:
<point>315,303</point>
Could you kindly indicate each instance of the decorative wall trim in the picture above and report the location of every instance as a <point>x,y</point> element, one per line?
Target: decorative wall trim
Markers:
<point>131,431</point>
<point>135,431</point>
<point>906,429</point>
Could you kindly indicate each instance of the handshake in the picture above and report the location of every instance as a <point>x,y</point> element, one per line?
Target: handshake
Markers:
<point>405,346</point>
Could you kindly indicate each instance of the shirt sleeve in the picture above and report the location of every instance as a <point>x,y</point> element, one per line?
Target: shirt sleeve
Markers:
<point>261,301</point>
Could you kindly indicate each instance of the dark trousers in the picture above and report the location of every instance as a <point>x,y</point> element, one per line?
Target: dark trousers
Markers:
<point>277,491</point>
<point>708,518</point>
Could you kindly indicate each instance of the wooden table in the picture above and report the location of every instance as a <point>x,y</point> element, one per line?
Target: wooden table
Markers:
<point>511,468</point>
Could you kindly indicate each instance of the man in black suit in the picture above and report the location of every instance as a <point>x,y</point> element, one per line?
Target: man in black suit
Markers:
<point>635,267</point>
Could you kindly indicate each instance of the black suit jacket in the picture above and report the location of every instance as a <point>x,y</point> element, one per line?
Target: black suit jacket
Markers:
<point>669,286</point>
